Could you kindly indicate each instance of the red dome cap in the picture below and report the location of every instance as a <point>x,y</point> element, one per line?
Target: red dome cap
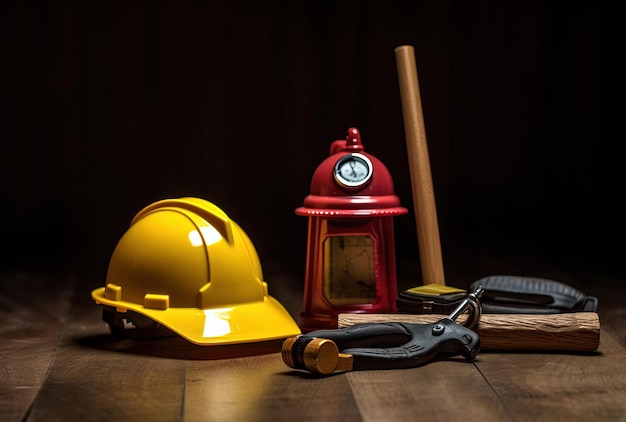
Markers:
<point>373,195</point>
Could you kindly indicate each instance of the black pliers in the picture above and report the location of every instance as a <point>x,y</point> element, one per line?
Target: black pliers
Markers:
<point>390,345</point>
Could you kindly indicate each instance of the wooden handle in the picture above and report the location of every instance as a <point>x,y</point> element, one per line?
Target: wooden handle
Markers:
<point>575,332</point>
<point>428,239</point>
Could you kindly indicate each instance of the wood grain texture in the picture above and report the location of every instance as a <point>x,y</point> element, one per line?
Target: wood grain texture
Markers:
<point>30,328</point>
<point>578,332</point>
<point>427,224</point>
<point>567,387</point>
<point>90,381</point>
<point>78,371</point>
<point>440,391</point>
<point>263,388</point>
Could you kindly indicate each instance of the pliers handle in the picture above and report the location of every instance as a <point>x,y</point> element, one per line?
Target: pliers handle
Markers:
<point>391,345</point>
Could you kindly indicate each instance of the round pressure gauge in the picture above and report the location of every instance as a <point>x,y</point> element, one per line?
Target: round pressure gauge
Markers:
<point>353,170</point>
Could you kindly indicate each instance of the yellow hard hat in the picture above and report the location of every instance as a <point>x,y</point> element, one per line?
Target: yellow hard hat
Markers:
<point>187,266</point>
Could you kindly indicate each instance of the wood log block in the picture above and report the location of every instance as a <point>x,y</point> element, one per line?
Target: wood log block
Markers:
<point>572,332</point>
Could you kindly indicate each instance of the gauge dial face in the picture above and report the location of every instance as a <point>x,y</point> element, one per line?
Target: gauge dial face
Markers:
<point>353,170</point>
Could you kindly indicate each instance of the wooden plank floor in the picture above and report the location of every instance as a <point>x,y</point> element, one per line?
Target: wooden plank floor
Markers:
<point>59,363</point>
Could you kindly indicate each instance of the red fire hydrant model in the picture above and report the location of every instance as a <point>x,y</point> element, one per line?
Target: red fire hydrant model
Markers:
<point>350,265</point>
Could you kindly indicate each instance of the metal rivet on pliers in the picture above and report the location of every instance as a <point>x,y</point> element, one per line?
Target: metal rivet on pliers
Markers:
<point>438,329</point>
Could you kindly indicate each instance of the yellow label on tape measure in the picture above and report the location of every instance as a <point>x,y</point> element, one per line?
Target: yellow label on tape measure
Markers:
<point>435,290</point>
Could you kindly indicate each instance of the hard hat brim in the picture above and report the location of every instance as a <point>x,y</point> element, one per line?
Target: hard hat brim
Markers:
<point>241,323</point>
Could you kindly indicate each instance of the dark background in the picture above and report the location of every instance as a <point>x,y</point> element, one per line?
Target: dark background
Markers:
<point>110,106</point>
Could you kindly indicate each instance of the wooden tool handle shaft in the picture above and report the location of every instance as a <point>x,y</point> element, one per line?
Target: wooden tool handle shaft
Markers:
<point>429,242</point>
<point>575,332</point>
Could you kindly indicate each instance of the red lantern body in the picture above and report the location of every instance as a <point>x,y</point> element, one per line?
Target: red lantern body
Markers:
<point>350,265</point>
